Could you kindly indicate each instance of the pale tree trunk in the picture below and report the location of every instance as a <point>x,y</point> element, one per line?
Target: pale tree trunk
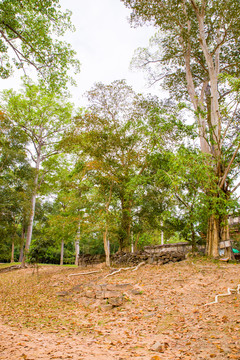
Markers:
<point>77,246</point>
<point>214,123</point>
<point>12,255</point>
<point>32,211</point>
<point>162,238</point>
<point>62,252</point>
<point>105,234</point>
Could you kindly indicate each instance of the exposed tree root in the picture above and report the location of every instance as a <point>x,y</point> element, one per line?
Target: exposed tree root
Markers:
<point>11,268</point>
<point>134,268</point>
<point>229,292</point>
<point>85,273</point>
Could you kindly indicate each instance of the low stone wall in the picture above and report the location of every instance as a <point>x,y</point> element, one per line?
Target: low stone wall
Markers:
<point>131,259</point>
<point>168,248</point>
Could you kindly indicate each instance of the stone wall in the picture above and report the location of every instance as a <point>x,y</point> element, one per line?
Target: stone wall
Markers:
<point>168,248</point>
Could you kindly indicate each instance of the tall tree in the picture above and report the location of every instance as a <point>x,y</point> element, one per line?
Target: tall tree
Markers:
<point>29,35</point>
<point>117,133</point>
<point>42,117</point>
<point>198,52</point>
<point>15,179</point>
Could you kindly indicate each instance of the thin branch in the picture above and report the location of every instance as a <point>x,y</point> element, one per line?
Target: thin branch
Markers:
<point>235,188</point>
<point>229,166</point>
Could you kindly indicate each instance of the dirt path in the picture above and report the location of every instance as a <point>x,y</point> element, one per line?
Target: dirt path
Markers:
<point>167,321</point>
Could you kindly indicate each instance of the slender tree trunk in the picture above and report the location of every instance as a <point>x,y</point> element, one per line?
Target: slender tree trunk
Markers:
<point>106,247</point>
<point>77,246</point>
<point>32,210</point>
<point>194,246</point>
<point>136,241</point>
<point>12,255</point>
<point>125,235</point>
<point>22,245</point>
<point>33,204</point>
<point>105,234</point>
<point>62,252</point>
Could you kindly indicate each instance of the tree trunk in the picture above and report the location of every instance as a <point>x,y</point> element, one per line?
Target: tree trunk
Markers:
<point>136,241</point>
<point>106,247</point>
<point>105,239</point>
<point>162,238</point>
<point>213,237</point>
<point>62,252</point>
<point>77,246</point>
<point>193,235</point>
<point>12,255</point>
<point>125,232</point>
<point>33,203</point>
<point>22,245</point>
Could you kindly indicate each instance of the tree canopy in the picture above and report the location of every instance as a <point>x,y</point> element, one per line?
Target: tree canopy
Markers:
<point>29,35</point>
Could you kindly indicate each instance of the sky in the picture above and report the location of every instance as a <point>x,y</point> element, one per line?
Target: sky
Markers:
<point>105,44</point>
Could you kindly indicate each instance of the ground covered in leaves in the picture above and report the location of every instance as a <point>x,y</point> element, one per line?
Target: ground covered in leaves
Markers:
<point>163,317</point>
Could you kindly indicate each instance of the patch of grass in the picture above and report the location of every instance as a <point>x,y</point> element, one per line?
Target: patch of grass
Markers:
<point>6,265</point>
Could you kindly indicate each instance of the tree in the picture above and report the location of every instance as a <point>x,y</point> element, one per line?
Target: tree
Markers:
<point>116,135</point>
<point>29,32</point>
<point>198,48</point>
<point>15,179</point>
<point>42,118</point>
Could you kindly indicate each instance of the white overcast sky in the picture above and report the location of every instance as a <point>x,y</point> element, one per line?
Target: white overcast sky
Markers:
<point>105,44</point>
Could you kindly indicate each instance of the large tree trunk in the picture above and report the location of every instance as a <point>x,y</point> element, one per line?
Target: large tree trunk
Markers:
<point>213,237</point>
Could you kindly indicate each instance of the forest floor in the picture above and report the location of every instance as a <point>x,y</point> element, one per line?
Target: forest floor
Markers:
<point>167,319</point>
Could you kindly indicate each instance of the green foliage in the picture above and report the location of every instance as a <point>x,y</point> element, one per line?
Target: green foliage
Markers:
<point>47,251</point>
<point>30,35</point>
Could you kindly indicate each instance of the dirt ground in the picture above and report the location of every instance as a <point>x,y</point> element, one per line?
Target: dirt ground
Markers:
<point>167,319</point>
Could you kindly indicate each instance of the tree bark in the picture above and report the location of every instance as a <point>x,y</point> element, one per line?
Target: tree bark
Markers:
<point>106,247</point>
<point>33,204</point>
<point>22,245</point>
<point>125,234</point>
<point>62,252</point>
<point>12,255</point>
<point>105,234</point>
<point>77,246</point>
<point>213,237</point>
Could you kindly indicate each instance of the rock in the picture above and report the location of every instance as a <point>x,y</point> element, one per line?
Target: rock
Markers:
<point>90,294</point>
<point>159,346</point>
<point>111,294</point>
<point>106,307</point>
<point>99,294</point>
<point>118,301</point>
<point>119,287</point>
